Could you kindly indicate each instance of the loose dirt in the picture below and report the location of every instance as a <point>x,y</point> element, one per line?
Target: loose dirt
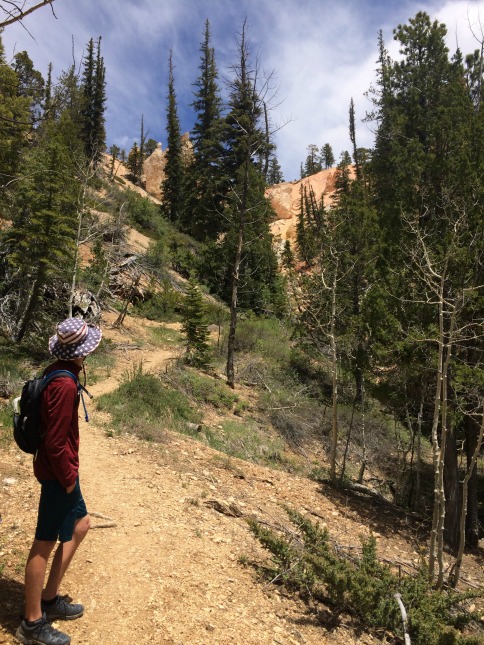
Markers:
<point>174,568</point>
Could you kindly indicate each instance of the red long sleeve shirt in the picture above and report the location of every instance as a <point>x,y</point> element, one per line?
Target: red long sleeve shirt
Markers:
<point>58,455</point>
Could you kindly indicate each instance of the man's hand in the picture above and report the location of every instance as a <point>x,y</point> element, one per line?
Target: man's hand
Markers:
<point>70,489</point>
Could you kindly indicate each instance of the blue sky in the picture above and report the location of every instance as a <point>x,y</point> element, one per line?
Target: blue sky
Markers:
<point>322,54</point>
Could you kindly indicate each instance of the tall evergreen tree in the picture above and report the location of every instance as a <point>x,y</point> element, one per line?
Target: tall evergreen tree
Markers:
<point>30,83</point>
<point>14,123</point>
<point>205,186</point>
<point>251,266</point>
<point>133,162</point>
<point>426,178</point>
<point>312,163</point>
<point>93,102</point>
<point>327,156</point>
<point>274,175</point>
<point>40,243</point>
<point>173,183</point>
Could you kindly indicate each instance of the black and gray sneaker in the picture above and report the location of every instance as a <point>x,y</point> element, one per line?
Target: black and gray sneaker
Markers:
<point>61,609</point>
<point>42,633</point>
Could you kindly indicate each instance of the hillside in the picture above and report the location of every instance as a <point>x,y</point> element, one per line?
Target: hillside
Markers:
<point>284,197</point>
<point>173,568</point>
<point>170,559</point>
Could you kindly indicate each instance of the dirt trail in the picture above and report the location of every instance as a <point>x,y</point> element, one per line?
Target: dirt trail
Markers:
<point>170,570</point>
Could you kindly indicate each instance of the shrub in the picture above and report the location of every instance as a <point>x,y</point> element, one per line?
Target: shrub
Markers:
<point>266,336</point>
<point>143,213</point>
<point>142,405</point>
<point>247,441</point>
<point>306,562</point>
<point>205,389</point>
<point>162,306</point>
<point>6,432</point>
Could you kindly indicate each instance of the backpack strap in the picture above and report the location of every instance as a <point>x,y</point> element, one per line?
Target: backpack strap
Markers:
<point>80,388</point>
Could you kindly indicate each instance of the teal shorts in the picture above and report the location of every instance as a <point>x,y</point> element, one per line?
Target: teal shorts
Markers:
<point>58,511</point>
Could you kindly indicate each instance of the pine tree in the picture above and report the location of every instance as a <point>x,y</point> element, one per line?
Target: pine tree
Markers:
<point>30,84</point>
<point>327,156</point>
<point>274,175</point>
<point>40,244</point>
<point>68,96</point>
<point>150,147</point>
<point>251,263</point>
<point>47,103</point>
<point>205,186</point>
<point>133,162</point>
<point>195,327</point>
<point>425,172</point>
<point>173,183</point>
<point>312,164</point>
<point>14,123</point>
<point>93,102</point>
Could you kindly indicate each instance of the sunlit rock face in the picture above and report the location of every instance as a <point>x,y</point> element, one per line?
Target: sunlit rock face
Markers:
<point>154,166</point>
<point>286,197</point>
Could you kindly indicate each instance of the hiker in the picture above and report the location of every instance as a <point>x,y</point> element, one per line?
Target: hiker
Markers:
<point>62,513</point>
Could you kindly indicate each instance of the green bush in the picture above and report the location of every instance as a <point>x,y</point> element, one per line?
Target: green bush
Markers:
<point>6,431</point>
<point>143,214</point>
<point>205,389</point>
<point>162,306</point>
<point>268,337</point>
<point>308,564</point>
<point>143,406</point>
<point>247,441</point>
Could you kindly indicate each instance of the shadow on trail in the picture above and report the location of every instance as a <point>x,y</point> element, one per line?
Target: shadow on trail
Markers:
<point>11,603</point>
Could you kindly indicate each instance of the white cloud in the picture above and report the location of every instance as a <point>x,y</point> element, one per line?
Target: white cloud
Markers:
<point>323,53</point>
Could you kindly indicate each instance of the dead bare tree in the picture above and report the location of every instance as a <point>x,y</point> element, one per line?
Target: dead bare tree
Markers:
<point>316,299</point>
<point>85,175</point>
<point>448,297</point>
<point>15,10</point>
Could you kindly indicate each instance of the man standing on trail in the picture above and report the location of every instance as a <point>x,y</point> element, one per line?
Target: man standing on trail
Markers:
<point>62,512</point>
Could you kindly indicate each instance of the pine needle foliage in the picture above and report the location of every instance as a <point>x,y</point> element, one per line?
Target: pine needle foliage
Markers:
<point>306,562</point>
<point>195,327</point>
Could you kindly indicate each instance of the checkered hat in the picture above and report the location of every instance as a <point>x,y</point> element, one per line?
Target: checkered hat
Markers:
<point>75,338</point>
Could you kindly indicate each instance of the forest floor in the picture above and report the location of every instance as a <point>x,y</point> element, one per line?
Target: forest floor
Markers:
<point>173,569</point>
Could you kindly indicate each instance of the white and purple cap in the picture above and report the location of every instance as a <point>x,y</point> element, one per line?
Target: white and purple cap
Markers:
<point>75,338</point>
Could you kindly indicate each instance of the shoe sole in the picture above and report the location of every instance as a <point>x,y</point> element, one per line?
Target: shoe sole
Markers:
<point>25,640</point>
<point>63,617</point>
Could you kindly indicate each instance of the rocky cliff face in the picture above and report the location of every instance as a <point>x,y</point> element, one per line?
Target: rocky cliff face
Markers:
<point>283,197</point>
<point>154,172</point>
<point>154,166</point>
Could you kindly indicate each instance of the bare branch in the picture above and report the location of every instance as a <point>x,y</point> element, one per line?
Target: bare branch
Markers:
<point>17,13</point>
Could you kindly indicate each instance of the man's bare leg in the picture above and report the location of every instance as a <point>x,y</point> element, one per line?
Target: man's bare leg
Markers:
<point>63,557</point>
<point>34,577</point>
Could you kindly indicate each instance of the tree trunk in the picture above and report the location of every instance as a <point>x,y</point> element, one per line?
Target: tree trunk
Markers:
<point>471,465</point>
<point>120,319</point>
<point>233,311</point>
<point>472,520</point>
<point>29,309</point>
<point>236,276</point>
<point>334,369</point>
<point>452,491</point>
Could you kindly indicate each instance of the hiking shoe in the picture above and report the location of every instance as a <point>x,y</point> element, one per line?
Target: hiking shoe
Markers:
<point>61,609</point>
<point>42,632</point>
